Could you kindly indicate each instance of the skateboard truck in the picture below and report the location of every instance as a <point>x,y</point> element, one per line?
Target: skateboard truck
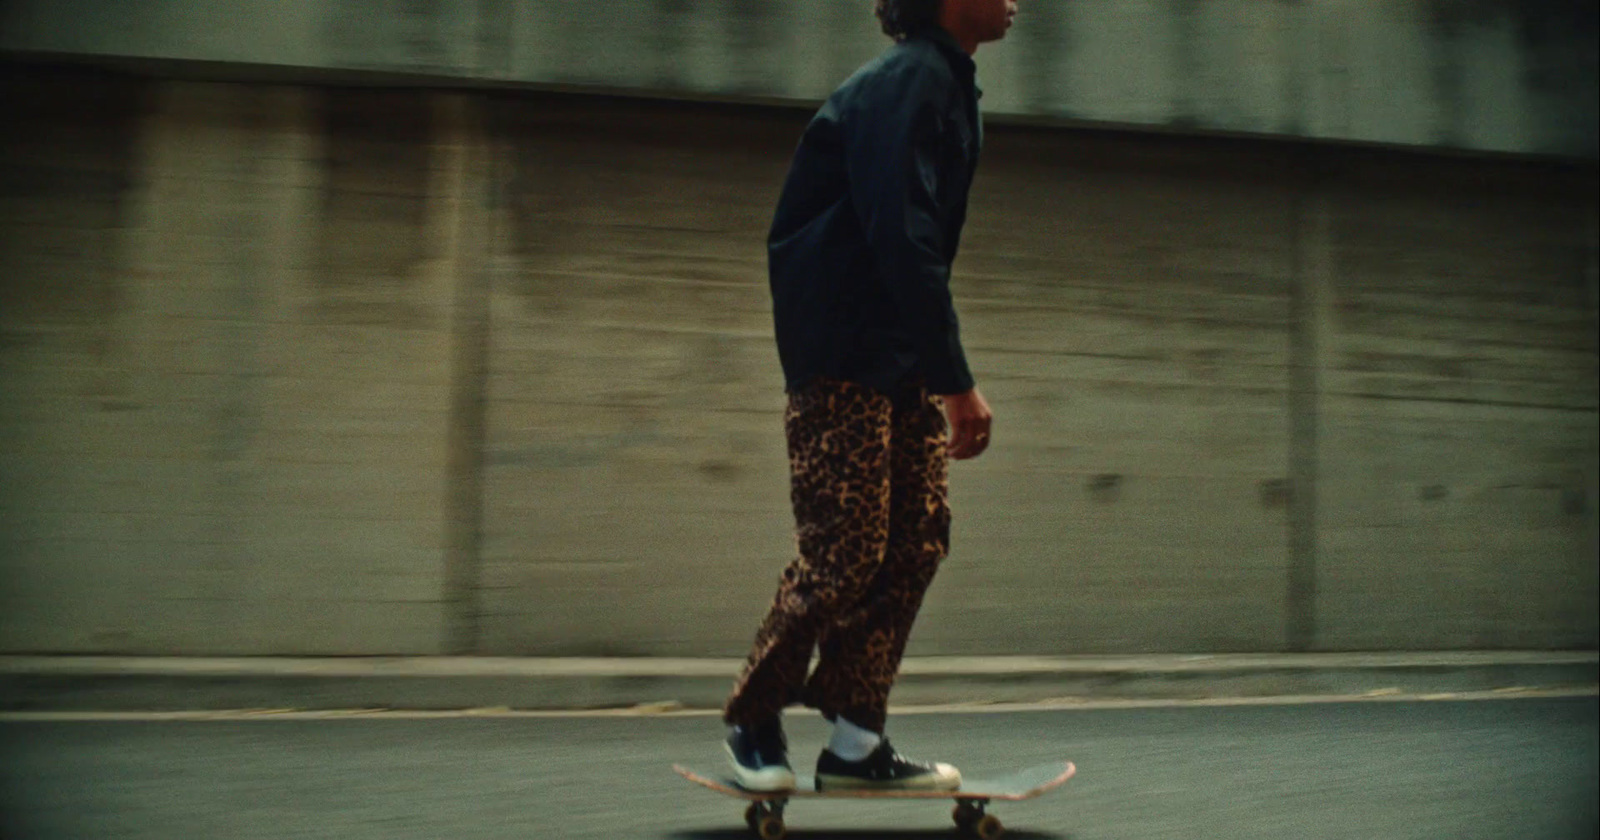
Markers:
<point>971,819</point>
<point>765,818</point>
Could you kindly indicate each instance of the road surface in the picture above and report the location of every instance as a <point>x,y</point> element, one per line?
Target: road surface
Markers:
<point>1423,770</point>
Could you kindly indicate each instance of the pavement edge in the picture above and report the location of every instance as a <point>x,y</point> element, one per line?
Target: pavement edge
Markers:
<point>99,683</point>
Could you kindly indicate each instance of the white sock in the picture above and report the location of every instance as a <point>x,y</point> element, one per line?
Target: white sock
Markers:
<point>851,742</point>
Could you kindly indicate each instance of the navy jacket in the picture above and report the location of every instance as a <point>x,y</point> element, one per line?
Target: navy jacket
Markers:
<point>869,221</point>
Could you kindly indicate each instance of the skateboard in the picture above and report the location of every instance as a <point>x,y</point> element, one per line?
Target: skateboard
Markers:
<point>765,813</point>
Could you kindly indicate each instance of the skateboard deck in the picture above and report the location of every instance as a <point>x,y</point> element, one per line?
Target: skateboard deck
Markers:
<point>764,816</point>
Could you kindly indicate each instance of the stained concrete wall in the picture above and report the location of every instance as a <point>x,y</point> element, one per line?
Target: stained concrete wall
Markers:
<point>1130,316</point>
<point>1442,513</point>
<point>228,323</point>
<point>288,369</point>
<point>1487,75</point>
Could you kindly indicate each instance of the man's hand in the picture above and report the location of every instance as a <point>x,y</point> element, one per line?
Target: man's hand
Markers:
<point>969,424</point>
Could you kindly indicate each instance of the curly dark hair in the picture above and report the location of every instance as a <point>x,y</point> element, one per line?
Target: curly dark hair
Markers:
<point>903,17</point>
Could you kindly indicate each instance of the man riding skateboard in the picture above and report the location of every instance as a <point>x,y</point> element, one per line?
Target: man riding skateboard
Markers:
<point>880,395</point>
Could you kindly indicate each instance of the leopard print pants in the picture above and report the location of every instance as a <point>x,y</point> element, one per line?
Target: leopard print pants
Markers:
<point>870,487</point>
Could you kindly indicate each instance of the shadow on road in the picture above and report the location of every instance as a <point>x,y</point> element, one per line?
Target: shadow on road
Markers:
<point>802,834</point>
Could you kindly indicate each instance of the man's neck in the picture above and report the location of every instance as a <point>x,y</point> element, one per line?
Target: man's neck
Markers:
<point>966,40</point>
<point>942,35</point>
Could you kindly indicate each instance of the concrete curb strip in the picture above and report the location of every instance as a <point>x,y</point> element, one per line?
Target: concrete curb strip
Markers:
<point>82,683</point>
<point>452,666</point>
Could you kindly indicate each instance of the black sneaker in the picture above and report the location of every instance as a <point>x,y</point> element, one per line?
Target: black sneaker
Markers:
<point>759,755</point>
<point>884,769</point>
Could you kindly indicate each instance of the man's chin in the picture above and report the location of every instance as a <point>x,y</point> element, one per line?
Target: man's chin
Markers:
<point>998,34</point>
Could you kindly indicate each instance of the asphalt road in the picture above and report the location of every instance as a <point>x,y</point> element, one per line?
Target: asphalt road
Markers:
<point>1429,770</point>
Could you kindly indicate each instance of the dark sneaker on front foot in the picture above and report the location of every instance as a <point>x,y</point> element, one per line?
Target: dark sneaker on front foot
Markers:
<point>884,769</point>
<point>759,755</point>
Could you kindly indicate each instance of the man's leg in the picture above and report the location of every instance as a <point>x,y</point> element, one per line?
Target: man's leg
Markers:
<point>838,435</point>
<point>861,652</point>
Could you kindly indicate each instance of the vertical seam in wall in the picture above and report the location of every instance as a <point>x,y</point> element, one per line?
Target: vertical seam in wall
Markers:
<point>468,379</point>
<point>1591,270</point>
<point>1445,50</point>
<point>493,39</point>
<point>236,415</point>
<point>1309,296</point>
<point>1186,108</point>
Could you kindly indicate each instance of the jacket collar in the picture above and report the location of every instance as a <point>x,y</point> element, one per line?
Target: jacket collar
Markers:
<point>958,58</point>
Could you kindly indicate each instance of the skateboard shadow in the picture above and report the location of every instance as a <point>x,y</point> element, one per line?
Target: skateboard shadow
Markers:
<point>802,834</point>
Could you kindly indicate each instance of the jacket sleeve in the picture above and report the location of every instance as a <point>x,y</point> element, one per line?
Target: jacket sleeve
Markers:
<point>893,156</point>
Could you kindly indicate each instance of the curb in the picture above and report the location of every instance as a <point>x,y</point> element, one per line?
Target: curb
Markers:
<point>99,683</point>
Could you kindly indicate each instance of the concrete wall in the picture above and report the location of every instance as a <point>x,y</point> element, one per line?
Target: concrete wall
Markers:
<point>1457,410</point>
<point>301,370</point>
<point>228,324</point>
<point>1473,74</point>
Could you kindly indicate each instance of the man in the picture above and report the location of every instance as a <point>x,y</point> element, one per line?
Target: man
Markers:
<point>859,261</point>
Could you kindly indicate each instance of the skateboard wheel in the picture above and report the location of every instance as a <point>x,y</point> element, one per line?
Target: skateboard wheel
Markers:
<point>988,827</point>
<point>752,816</point>
<point>771,828</point>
